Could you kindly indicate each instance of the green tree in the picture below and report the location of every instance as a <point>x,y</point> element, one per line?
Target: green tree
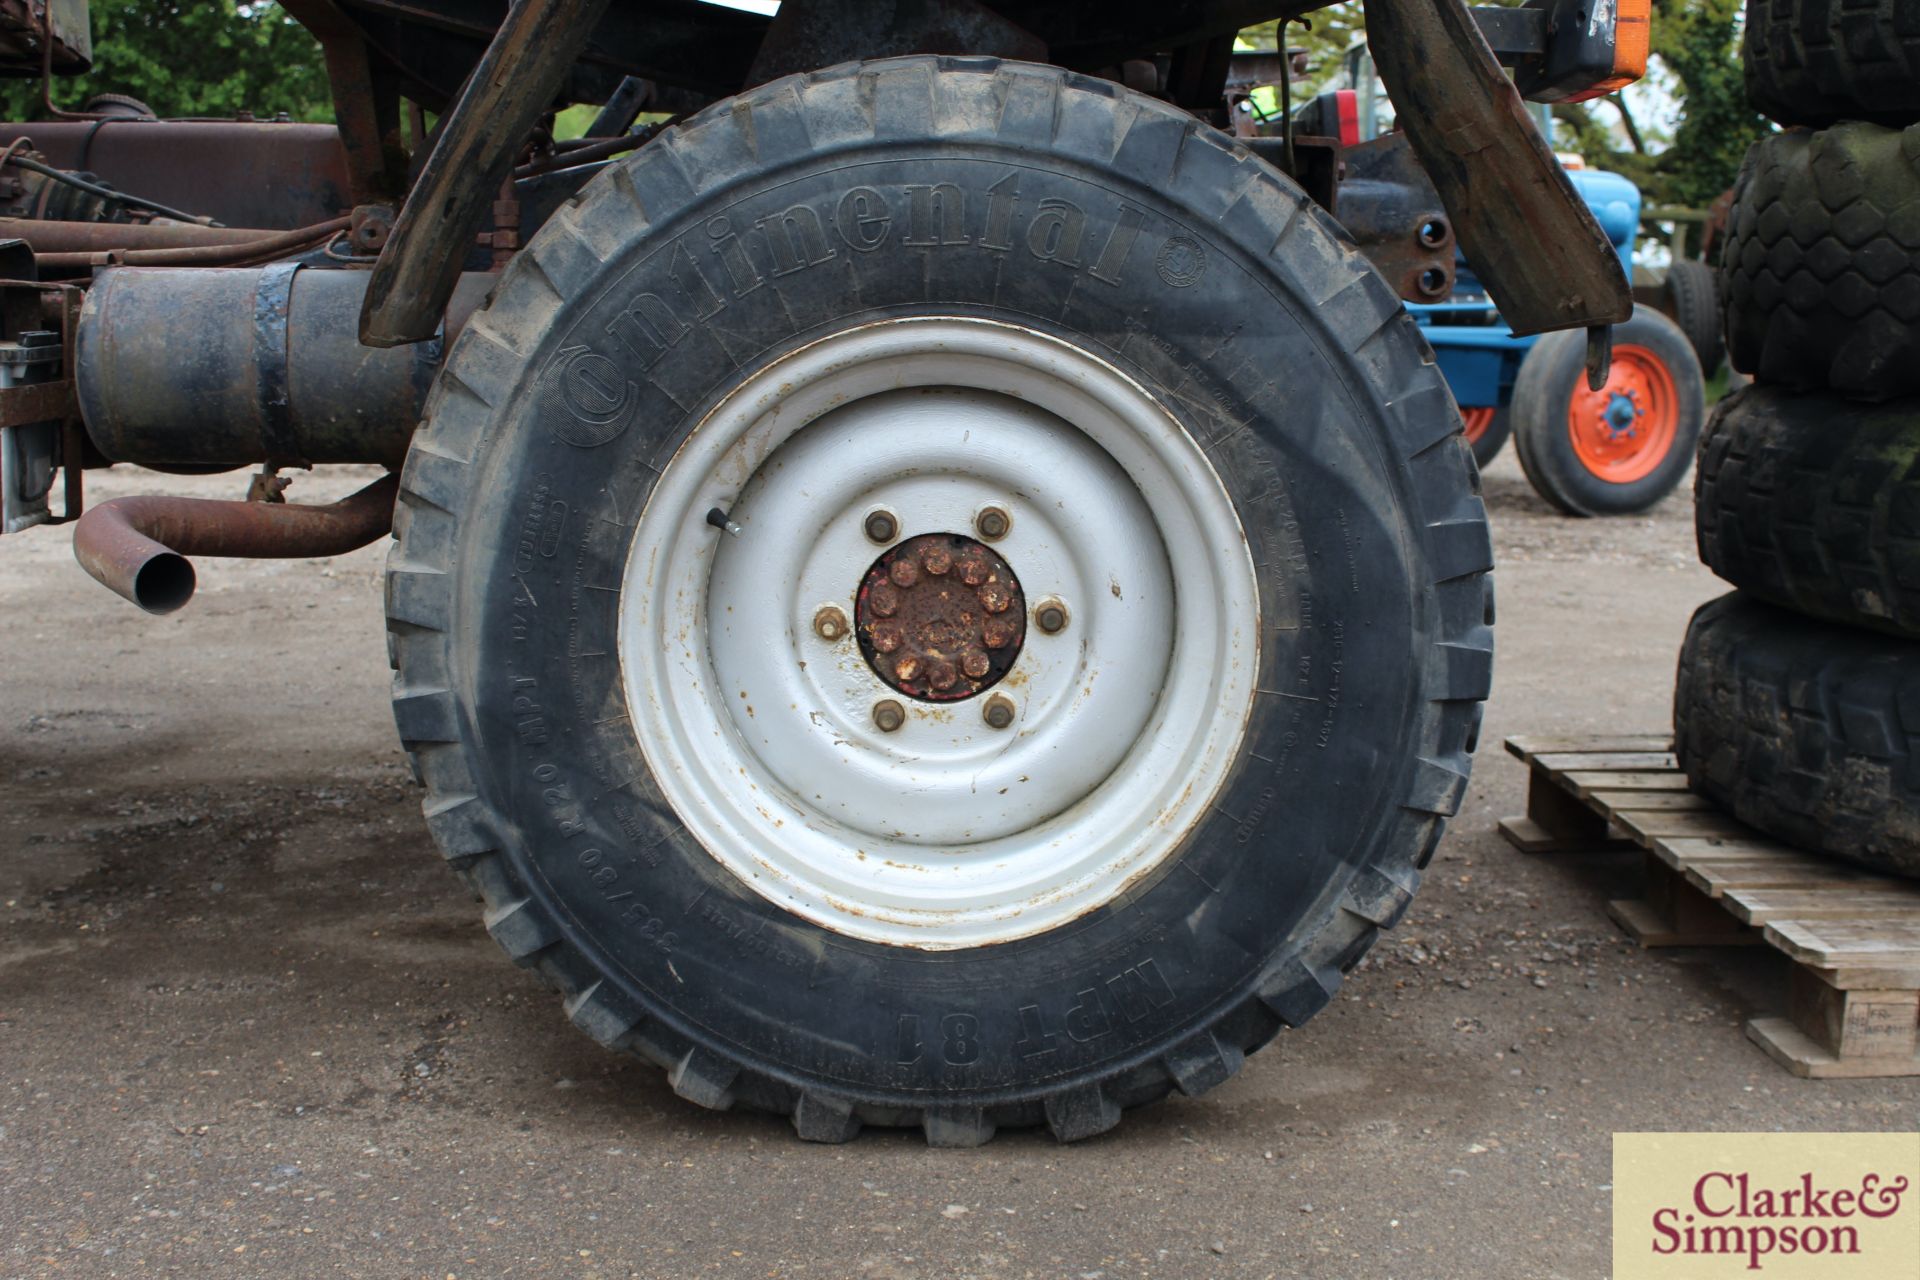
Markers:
<point>1325,34</point>
<point>1699,41</point>
<point>194,58</point>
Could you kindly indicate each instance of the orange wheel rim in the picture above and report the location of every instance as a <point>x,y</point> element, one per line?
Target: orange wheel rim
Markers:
<point>1478,418</point>
<point>1624,431</point>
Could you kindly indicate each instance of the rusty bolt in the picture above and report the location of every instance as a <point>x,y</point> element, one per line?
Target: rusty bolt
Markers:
<point>881,526</point>
<point>993,523</point>
<point>830,622</point>
<point>888,715</point>
<point>998,712</point>
<point>976,664</point>
<point>937,560</point>
<point>1050,616</point>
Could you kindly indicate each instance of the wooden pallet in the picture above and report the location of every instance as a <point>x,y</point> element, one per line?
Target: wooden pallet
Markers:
<point>1853,994</point>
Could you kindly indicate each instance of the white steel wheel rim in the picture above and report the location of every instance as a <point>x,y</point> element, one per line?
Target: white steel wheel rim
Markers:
<point>947,832</point>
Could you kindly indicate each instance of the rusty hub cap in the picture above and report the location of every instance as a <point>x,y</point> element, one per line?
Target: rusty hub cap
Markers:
<point>867,799</point>
<point>940,617</point>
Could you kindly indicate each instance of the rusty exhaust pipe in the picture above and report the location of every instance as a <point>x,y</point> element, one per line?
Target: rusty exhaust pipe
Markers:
<point>138,547</point>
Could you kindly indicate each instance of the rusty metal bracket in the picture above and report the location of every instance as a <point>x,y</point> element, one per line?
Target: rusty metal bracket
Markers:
<point>1529,236</point>
<point>1390,208</point>
<point>513,84</point>
<point>36,402</point>
<point>55,401</point>
<point>364,103</point>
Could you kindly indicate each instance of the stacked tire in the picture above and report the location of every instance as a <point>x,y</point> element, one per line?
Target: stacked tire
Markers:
<point>1797,705</point>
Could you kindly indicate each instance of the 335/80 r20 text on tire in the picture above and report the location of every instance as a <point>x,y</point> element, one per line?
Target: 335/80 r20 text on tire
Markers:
<point>945,278</point>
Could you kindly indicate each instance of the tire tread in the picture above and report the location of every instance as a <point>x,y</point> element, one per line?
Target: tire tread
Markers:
<point>1805,730</point>
<point>1030,106</point>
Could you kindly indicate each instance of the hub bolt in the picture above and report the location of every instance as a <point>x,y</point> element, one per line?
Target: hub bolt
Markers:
<point>998,712</point>
<point>830,622</point>
<point>881,526</point>
<point>1050,616</point>
<point>993,523</point>
<point>888,715</point>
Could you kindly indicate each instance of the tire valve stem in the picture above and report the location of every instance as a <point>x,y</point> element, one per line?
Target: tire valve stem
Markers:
<point>718,519</point>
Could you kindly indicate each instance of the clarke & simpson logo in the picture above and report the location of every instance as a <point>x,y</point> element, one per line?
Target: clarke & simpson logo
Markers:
<point>1699,1206</point>
<point>1726,1215</point>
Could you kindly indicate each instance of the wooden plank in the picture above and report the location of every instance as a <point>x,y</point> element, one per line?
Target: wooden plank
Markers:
<point>1526,746</point>
<point>1828,902</point>
<point>1741,845</point>
<point>1646,926</point>
<point>1707,825</point>
<point>1553,809</point>
<point>1585,782</point>
<point>1617,803</point>
<point>1881,978</point>
<point>1795,1050</point>
<point>1685,852</point>
<point>1647,826</point>
<point>1529,836</point>
<point>1715,878</point>
<point>1854,1024</point>
<point>1559,762</point>
<point>1836,944</point>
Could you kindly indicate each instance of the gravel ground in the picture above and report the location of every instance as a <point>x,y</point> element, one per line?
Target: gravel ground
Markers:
<point>248,1023</point>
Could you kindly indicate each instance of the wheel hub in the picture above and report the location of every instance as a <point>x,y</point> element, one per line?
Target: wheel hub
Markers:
<point>835,775</point>
<point>1622,432</point>
<point>940,617</point>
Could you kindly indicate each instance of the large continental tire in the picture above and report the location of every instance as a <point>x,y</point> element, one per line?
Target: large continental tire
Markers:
<point>1693,292</point>
<point>1806,730</point>
<point>1823,261</point>
<point>1619,449</point>
<point>940,593</point>
<point>1817,62</point>
<point>1813,502</point>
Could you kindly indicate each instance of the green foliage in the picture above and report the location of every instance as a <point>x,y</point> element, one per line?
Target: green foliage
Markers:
<point>1699,41</point>
<point>1325,34</point>
<point>193,58</point>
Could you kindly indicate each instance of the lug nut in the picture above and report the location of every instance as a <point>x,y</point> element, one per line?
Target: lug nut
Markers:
<point>993,523</point>
<point>890,715</point>
<point>1050,616</point>
<point>830,622</point>
<point>998,713</point>
<point>881,526</point>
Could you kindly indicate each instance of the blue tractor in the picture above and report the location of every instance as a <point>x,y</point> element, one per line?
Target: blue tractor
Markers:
<point>1611,451</point>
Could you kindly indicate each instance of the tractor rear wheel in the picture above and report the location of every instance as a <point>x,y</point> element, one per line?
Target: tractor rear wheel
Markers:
<point>1693,295</point>
<point>1624,447</point>
<point>940,593</point>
